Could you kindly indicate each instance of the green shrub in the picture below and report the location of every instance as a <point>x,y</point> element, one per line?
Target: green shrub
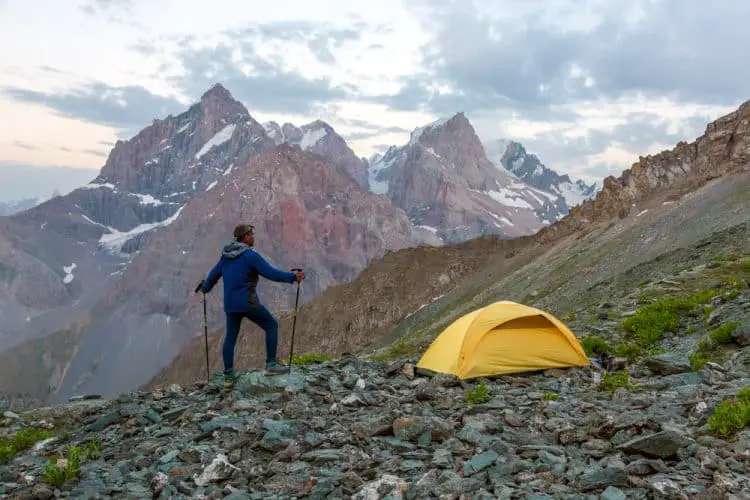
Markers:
<point>56,476</point>
<point>729,418</point>
<point>550,396</point>
<point>479,394</point>
<point>310,358</point>
<point>629,351</point>
<point>570,316</point>
<point>611,381</point>
<point>723,334</point>
<point>594,344</point>
<point>698,360</point>
<point>21,441</point>
<point>649,324</point>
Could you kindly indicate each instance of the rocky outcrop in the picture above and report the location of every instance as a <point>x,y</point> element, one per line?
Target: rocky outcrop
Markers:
<point>722,149</point>
<point>306,214</point>
<point>565,194</point>
<point>444,181</point>
<point>320,138</point>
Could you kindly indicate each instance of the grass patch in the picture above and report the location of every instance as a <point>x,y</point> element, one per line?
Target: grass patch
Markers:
<point>56,473</point>
<point>595,345</point>
<point>21,441</point>
<point>649,324</point>
<point>708,347</point>
<point>731,416</point>
<point>723,334</point>
<point>310,359</point>
<point>726,257</point>
<point>478,395</point>
<point>401,348</point>
<point>699,359</point>
<point>550,396</point>
<point>611,381</point>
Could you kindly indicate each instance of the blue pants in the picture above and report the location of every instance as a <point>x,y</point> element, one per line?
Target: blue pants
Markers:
<point>261,317</point>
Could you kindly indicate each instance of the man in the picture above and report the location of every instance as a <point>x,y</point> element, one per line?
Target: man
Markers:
<point>240,265</point>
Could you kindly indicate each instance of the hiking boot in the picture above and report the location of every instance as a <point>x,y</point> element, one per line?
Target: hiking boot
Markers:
<point>276,368</point>
<point>229,378</point>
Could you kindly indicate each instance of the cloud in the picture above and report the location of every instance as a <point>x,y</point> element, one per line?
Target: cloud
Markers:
<point>267,89</point>
<point>381,148</point>
<point>118,107</point>
<point>532,63</point>
<point>93,152</point>
<point>24,145</point>
<point>261,81</point>
<point>254,63</point>
<point>114,11</point>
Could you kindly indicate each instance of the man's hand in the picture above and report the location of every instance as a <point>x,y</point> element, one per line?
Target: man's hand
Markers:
<point>200,286</point>
<point>300,274</point>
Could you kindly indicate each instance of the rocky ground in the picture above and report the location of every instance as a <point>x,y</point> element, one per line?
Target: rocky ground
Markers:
<point>365,430</point>
<point>669,418</point>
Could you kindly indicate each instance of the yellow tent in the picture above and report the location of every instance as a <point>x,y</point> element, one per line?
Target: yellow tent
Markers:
<point>504,337</point>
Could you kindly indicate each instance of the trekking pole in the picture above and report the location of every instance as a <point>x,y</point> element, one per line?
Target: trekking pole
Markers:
<point>294,321</point>
<point>205,330</point>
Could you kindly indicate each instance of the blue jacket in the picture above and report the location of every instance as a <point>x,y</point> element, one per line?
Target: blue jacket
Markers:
<point>240,266</point>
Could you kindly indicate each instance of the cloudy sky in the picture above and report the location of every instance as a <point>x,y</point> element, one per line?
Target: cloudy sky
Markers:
<point>587,85</point>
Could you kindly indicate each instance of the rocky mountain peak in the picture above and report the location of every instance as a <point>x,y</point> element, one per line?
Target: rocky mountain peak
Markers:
<point>321,138</point>
<point>217,92</point>
<point>436,131</point>
<point>512,157</point>
<point>444,181</point>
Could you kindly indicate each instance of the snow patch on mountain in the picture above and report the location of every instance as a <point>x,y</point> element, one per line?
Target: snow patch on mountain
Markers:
<point>378,167</point>
<point>416,134</point>
<point>311,138</point>
<point>218,139</point>
<point>114,239</point>
<point>69,273</point>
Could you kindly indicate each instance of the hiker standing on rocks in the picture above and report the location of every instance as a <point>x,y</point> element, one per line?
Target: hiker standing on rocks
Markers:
<point>240,265</point>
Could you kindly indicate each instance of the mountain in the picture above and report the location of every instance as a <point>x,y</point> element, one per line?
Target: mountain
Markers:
<point>443,180</point>
<point>320,138</point>
<point>669,212</point>
<point>65,252</point>
<point>528,168</point>
<point>13,207</point>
